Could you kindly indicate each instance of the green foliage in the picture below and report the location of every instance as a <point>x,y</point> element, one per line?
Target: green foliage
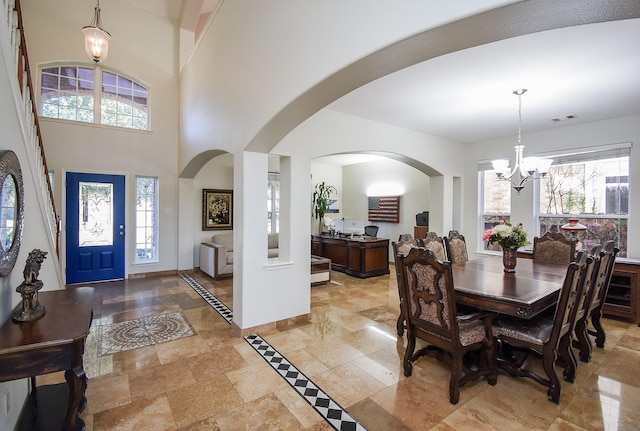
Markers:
<point>320,199</point>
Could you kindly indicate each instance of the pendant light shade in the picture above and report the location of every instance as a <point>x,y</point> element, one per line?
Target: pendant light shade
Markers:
<point>526,168</point>
<point>96,39</point>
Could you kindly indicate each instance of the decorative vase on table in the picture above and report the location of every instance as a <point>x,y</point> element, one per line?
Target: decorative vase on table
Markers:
<point>509,259</point>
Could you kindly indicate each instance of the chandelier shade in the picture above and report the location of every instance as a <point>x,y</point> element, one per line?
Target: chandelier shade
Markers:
<point>96,38</point>
<point>525,168</point>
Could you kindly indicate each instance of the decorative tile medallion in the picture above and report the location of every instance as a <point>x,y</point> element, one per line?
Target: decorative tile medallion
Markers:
<point>222,309</point>
<point>133,334</point>
<point>330,410</point>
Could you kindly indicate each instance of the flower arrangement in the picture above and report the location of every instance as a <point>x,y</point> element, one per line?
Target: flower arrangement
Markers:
<point>506,235</point>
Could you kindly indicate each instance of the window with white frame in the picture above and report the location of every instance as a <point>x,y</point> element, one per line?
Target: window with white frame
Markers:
<point>146,219</point>
<point>495,201</point>
<point>91,94</point>
<point>592,185</point>
<point>273,203</point>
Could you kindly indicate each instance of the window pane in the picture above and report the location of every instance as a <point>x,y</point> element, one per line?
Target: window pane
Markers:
<point>49,81</point>
<point>582,187</point>
<point>67,92</point>
<point>96,212</point>
<point>146,219</point>
<point>497,194</point>
<point>596,191</point>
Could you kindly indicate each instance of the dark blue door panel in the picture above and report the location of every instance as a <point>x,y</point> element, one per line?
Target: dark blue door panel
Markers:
<point>95,247</point>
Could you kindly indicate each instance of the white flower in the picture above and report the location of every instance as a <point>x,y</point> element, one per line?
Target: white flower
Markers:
<point>502,230</point>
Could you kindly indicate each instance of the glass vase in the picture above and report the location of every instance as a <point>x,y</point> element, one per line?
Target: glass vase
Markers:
<point>509,259</point>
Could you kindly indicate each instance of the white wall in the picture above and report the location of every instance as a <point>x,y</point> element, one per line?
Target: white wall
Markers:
<point>247,65</point>
<point>415,198</point>
<point>144,46</point>
<point>329,132</point>
<point>34,232</point>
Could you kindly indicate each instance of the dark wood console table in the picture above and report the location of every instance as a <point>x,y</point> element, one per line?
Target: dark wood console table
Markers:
<point>360,257</point>
<point>55,342</point>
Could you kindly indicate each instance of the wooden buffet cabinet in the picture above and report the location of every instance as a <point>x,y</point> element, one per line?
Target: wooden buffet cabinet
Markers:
<point>623,295</point>
<point>360,257</point>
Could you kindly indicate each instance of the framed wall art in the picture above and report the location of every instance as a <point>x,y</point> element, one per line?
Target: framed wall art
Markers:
<point>217,209</point>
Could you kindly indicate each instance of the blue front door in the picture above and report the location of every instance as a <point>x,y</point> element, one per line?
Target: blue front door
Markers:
<point>95,227</point>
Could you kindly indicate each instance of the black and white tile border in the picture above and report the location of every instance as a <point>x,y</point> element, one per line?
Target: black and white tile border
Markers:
<point>331,411</point>
<point>222,309</point>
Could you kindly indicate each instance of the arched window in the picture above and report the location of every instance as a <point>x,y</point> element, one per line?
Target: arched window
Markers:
<point>91,94</point>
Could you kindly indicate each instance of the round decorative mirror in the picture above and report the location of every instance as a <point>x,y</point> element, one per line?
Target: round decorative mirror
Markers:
<point>11,210</point>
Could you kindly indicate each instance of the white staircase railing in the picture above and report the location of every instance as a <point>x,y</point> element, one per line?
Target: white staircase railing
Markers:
<point>31,126</point>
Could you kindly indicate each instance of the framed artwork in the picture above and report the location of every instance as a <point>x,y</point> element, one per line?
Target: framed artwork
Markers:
<point>384,208</point>
<point>217,209</point>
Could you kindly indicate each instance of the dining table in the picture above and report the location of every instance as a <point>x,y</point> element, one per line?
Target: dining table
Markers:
<point>531,289</point>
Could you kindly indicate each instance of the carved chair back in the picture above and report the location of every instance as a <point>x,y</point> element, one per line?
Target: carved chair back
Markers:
<point>401,248</point>
<point>554,247</point>
<point>594,300</point>
<point>456,247</point>
<point>434,243</point>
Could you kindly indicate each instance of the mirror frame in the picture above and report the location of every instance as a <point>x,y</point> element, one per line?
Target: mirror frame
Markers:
<point>10,165</point>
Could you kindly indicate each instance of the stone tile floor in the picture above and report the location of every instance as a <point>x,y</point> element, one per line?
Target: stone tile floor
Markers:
<point>348,347</point>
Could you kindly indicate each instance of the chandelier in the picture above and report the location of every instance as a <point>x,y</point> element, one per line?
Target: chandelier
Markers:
<point>525,168</point>
<point>96,38</point>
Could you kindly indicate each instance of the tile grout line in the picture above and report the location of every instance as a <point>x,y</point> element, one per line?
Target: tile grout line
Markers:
<point>329,409</point>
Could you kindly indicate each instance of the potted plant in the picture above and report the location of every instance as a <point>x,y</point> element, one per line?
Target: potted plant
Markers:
<point>320,201</point>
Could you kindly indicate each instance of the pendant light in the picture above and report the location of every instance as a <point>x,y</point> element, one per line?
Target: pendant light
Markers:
<point>96,38</point>
<point>526,168</point>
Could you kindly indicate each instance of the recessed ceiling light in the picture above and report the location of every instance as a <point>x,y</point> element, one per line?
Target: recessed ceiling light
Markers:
<point>564,117</point>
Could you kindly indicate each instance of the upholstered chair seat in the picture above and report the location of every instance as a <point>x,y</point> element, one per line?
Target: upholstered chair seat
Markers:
<point>471,332</point>
<point>535,331</point>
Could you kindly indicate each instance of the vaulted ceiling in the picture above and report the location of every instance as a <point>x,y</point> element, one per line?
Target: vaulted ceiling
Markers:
<point>577,74</point>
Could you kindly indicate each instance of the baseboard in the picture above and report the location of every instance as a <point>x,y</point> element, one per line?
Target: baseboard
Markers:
<point>158,273</point>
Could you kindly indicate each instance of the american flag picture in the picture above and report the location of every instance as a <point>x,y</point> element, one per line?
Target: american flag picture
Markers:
<point>384,208</point>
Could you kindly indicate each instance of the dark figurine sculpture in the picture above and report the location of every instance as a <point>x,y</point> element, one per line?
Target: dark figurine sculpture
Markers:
<point>31,308</point>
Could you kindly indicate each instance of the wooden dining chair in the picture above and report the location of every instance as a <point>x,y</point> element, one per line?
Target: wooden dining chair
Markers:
<point>594,300</point>
<point>434,243</point>
<point>401,248</point>
<point>544,335</point>
<point>405,237</point>
<point>456,247</point>
<point>554,247</point>
<point>429,307</point>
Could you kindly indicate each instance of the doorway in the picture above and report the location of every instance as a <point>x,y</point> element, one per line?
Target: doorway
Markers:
<point>95,229</point>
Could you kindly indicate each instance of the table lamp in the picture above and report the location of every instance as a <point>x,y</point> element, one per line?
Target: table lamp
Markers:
<point>573,227</point>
